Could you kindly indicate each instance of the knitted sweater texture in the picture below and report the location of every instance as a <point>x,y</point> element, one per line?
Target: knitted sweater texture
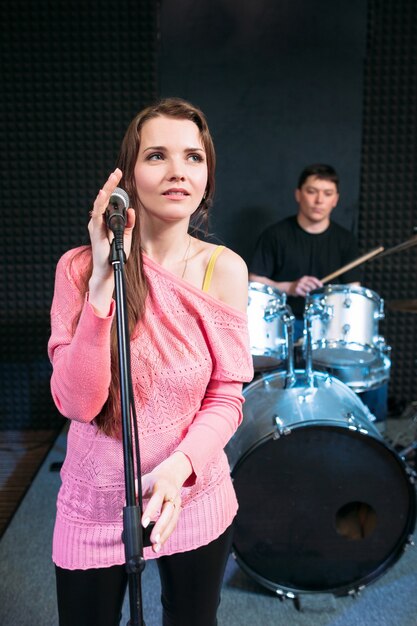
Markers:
<point>189,356</point>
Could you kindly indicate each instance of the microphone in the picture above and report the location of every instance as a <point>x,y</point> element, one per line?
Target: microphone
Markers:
<point>116,212</point>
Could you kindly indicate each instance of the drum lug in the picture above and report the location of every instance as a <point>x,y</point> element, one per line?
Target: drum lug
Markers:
<point>354,424</point>
<point>328,312</point>
<point>410,472</point>
<point>382,346</point>
<point>319,309</point>
<point>355,593</point>
<point>281,429</point>
<point>351,418</point>
<point>328,381</point>
<point>285,594</point>
<point>380,315</point>
<point>270,313</point>
<point>347,303</point>
<point>346,329</point>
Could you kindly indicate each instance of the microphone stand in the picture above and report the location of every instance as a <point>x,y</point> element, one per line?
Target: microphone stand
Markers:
<point>132,530</point>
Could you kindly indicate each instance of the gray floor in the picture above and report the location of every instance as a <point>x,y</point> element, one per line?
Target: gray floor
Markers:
<point>27,594</point>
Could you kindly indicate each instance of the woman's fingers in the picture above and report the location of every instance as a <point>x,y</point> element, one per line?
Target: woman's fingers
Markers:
<point>100,204</point>
<point>163,507</point>
<point>131,218</point>
<point>166,523</point>
<point>112,181</point>
<point>103,197</point>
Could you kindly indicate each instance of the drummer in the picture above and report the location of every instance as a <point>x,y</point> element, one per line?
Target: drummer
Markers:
<point>292,254</point>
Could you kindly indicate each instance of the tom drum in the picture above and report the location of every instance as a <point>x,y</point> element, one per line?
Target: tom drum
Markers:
<point>347,331</point>
<point>267,330</point>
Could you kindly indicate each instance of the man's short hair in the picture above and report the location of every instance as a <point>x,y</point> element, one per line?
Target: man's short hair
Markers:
<point>320,171</point>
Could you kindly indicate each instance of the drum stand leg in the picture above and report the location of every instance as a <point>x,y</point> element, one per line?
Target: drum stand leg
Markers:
<point>408,450</point>
<point>408,453</point>
<point>288,319</point>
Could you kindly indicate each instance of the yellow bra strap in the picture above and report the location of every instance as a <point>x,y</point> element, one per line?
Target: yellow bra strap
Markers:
<point>210,267</point>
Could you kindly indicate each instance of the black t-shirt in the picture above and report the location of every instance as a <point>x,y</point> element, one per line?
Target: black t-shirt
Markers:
<point>286,252</point>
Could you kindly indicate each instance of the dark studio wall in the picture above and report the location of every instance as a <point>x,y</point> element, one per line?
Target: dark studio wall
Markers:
<point>281,84</point>
<point>388,194</point>
<point>74,74</point>
<point>288,83</point>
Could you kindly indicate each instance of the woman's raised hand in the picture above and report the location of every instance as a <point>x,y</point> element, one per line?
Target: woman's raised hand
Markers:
<point>101,283</point>
<point>100,236</point>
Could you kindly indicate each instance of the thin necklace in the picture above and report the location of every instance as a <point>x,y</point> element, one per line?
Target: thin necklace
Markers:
<point>185,259</point>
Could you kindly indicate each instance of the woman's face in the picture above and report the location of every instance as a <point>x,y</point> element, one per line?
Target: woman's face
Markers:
<point>171,168</point>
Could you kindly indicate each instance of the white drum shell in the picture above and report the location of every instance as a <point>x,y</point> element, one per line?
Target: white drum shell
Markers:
<point>267,331</point>
<point>348,333</point>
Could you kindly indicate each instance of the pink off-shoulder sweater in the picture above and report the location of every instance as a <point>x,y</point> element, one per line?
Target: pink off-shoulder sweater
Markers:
<point>190,354</point>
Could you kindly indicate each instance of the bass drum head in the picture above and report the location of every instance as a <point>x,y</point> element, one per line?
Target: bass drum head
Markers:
<point>321,509</point>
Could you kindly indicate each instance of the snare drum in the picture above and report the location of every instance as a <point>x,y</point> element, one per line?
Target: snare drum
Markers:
<point>267,330</point>
<point>324,504</point>
<point>345,333</point>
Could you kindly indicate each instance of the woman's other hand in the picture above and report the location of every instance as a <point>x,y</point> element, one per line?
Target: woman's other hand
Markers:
<point>162,487</point>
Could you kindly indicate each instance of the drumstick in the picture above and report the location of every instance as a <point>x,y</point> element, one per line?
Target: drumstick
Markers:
<point>401,246</point>
<point>353,264</point>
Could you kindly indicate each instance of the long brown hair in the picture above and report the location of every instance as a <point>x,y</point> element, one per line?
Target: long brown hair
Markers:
<point>108,419</point>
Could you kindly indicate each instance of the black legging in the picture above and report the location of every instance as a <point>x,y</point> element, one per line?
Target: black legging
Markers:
<point>190,589</point>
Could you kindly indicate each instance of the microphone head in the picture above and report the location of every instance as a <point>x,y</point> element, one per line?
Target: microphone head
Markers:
<point>120,197</point>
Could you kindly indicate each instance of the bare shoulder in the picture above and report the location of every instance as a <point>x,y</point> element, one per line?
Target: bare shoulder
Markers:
<point>230,280</point>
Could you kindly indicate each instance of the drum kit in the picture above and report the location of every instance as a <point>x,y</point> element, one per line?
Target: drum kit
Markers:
<point>326,505</point>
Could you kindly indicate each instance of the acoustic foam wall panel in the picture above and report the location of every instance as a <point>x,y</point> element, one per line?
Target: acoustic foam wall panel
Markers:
<point>74,74</point>
<point>388,201</point>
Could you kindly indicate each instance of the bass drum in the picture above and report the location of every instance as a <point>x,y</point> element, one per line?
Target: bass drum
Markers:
<point>324,504</point>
